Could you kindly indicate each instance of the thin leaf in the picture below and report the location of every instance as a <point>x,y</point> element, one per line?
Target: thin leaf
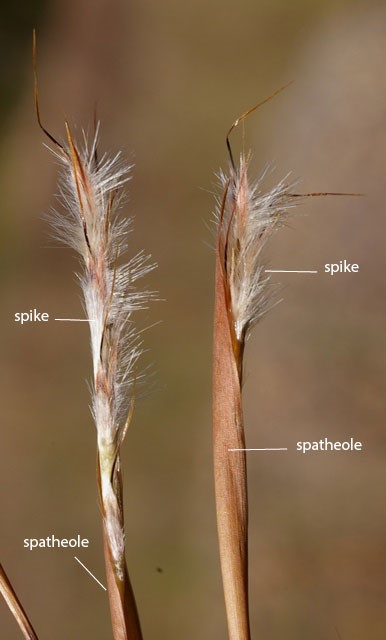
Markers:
<point>15,607</point>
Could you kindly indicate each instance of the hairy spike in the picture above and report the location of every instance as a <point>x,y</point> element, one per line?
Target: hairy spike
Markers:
<point>91,191</point>
<point>247,218</point>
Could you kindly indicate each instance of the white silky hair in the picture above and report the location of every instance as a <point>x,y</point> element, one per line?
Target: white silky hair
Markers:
<point>247,216</point>
<point>92,194</point>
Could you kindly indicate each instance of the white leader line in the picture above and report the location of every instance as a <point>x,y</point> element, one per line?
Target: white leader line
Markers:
<point>73,320</point>
<point>290,271</point>
<point>266,449</point>
<point>91,574</point>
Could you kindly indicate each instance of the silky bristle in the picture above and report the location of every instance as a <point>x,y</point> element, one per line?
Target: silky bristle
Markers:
<point>247,215</point>
<point>91,194</point>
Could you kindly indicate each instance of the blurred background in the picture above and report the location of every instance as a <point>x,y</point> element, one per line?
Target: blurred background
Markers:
<point>168,79</point>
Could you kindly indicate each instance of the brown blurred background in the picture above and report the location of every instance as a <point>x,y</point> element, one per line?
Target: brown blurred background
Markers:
<point>168,78</point>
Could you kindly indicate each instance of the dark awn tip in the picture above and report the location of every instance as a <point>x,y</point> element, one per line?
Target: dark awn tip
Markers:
<point>319,194</point>
<point>248,113</point>
<point>36,96</point>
